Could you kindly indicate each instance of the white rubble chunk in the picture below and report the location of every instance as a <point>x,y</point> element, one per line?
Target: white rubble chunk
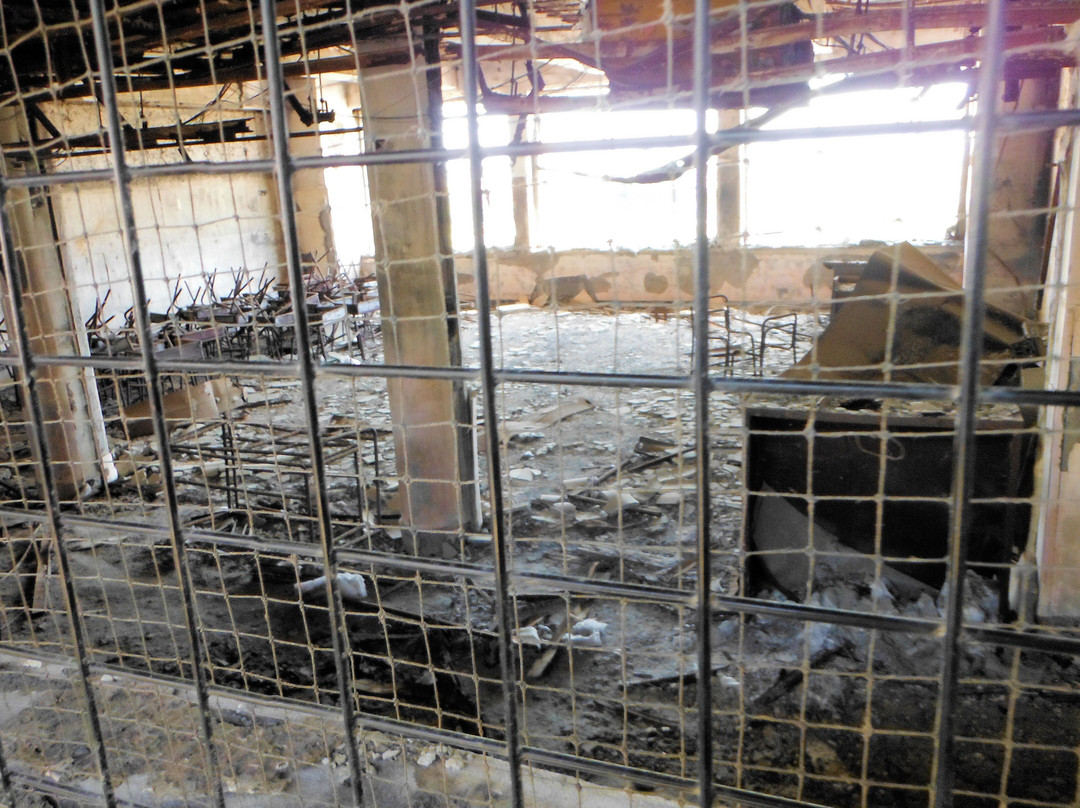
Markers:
<point>350,584</point>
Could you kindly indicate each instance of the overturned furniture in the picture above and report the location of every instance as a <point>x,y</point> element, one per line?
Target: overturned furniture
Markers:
<point>901,322</point>
<point>836,495</point>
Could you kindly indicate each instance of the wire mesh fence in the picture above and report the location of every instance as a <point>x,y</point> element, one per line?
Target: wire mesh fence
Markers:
<point>462,522</point>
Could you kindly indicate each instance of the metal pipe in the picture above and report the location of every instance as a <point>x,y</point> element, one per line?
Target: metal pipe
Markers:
<point>504,610</point>
<point>702,390</point>
<point>964,468</point>
<point>717,383</point>
<point>284,171</point>
<point>122,180</point>
<point>1015,122</point>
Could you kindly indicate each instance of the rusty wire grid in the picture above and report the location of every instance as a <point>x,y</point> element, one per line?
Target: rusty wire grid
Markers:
<point>278,529</point>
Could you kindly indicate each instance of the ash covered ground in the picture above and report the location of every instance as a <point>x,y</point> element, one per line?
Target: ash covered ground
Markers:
<point>600,485</point>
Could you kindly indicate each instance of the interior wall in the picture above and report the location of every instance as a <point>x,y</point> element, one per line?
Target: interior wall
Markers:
<point>789,277</point>
<point>188,226</point>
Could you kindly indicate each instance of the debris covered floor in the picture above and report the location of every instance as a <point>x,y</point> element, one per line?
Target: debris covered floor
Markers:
<point>599,486</point>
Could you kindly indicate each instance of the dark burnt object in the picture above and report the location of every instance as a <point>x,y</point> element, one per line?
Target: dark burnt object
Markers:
<point>844,483</point>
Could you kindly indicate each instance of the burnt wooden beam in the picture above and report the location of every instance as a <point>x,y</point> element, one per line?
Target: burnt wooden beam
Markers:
<point>1021,13</point>
<point>389,52</point>
<point>153,137</point>
<point>29,66</point>
<point>247,19</point>
<point>938,53</point>
<point>846,23</point>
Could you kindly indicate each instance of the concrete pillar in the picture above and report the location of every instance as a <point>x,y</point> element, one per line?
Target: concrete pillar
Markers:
<point>1057,476</point>
<point>74,426</point>
<point>315,230</point>
<point>1057,471</point>
<point>314,226</point>
<point>1022,176</point>
<point>254,93</point>
<point>519,186</point>
<point>418,301</point>
<point>729,187</point>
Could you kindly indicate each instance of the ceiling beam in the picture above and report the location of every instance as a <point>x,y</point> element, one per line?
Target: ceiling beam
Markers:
<point>390,51</point>
<point>846,23</point>
<point>937,53</point>
<point>1023,13</point>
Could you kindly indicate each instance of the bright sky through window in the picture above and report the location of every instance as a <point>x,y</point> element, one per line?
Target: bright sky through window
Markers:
<point>843,190</point>
<point>800,193</point>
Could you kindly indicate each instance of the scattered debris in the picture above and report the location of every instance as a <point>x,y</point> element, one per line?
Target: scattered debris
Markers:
<point>592,640</point>
<point>527,635</point>
<point>350,584</point>
<point>616,502</point>
<point>589,626</point>
<point>610,509</point>
<point>533,429</point>
<point>525,475</point>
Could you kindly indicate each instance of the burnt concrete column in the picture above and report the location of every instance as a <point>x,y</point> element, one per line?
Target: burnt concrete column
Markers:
<point>729,187</point>
<point>418,302</point>
<point>519,187</point>
<point>1021,190</point>
<point>314,229</point>
<point>1056,506</point>
<point>254,93</point>
<point>74,426</point>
